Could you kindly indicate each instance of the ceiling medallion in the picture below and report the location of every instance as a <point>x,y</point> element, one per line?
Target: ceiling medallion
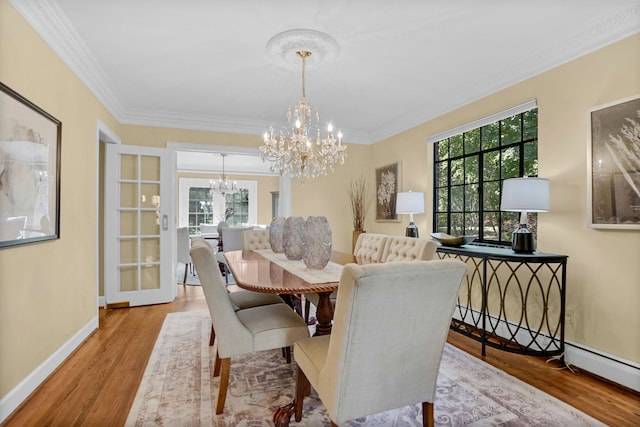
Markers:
<point>299,150</point>
<point>283,47</point>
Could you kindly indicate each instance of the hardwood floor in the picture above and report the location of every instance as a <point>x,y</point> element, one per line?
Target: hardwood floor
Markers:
<point>97,384</point>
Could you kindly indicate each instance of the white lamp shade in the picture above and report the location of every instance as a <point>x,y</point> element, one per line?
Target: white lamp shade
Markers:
<point>525,195</point>
<point>410,202</point>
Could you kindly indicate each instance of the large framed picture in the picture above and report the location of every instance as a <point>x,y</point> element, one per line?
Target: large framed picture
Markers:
<point>614,165</point>
<point>387,186</point>
<point>30,141</point>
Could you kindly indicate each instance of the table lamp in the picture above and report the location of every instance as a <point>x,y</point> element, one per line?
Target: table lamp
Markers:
<point>524,195</point>
<point>410,203</point>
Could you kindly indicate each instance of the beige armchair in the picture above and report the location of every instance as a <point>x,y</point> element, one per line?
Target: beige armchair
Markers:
<point>241,331</point>
<point>377,248</point>
<point>255,239</point>
<point>369,248</point>
<point>400,248</point>
<point>378,357</point>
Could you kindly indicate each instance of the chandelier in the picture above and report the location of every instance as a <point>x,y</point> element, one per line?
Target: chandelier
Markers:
<point>299,150</point>
<point>222,186</point>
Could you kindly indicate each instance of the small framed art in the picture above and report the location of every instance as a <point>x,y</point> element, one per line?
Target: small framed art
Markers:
<point>387,186</point>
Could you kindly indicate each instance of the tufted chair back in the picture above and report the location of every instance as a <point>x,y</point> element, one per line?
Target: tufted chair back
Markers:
<point>255,239</point>
<point>369,248</point>
<point>400,248</point>
<point>378,357</point>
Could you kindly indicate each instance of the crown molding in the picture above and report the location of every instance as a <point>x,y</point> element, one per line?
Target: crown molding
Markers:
<point>169,119</point>
<point>48,20</point>
<point>609,30</point>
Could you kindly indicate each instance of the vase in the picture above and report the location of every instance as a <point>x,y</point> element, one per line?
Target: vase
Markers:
<point>317,249</point>
<point>276,230</point>
<point>354,239</point>
<point>293,237</point>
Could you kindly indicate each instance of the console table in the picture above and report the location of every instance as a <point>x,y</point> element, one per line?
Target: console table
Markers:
<point>513,302</point>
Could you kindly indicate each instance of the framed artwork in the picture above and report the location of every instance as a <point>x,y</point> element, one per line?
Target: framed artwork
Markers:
<point>30,141</point>
<point>387,186</point>
<point>614,165</point>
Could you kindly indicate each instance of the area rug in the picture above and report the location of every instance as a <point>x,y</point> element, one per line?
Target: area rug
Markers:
<point>177,389</point>
<point>192,277</point>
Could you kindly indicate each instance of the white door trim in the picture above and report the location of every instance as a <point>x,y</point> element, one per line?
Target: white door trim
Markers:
<point>103,135</point>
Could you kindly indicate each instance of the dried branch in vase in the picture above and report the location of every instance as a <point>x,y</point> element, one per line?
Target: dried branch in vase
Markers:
<point>359,196</point>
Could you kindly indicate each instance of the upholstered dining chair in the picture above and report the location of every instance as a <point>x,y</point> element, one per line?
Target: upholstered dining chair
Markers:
<point>231,238</point>
<point>369,248</point>
<point>242,298</point>
<point>183,251</point>
<point>255,239</point>
<point>374,248</point>
<point>402,248</point>
<point>241,331</point>
<point>378,357</point>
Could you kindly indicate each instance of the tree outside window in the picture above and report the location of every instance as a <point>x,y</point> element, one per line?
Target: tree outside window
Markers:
<point>469,169</point>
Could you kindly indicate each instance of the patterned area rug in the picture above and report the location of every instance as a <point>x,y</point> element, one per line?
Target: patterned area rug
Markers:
<point>177,389</point>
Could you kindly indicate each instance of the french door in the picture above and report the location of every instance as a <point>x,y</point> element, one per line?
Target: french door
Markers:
<point>138,244</point>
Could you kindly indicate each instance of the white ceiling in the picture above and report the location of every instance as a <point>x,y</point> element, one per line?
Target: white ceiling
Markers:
<point>202,64</point>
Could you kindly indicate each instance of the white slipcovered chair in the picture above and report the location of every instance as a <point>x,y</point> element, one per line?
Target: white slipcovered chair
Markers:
<point>378,357</point>
<point>183,251</point>
<point>241,331</point>
<point>208,229</point>
<point>401,248</point>
<point>231,238</point>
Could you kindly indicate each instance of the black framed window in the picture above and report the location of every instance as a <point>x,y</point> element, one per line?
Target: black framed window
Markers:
<point>469,168</point>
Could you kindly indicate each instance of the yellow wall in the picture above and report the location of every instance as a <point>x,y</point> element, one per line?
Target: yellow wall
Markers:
<point>48,291</point>
<point>327,196</point>
<point>603,281</point>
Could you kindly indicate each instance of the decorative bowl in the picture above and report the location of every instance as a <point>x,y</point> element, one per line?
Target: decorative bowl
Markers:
<point>448,240</point>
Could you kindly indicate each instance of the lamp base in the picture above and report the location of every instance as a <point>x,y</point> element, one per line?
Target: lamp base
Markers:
<point>412,230</point>
<point>523,240</point>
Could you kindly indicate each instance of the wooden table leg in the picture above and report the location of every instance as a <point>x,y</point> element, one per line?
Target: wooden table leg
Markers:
<point>324,314</point>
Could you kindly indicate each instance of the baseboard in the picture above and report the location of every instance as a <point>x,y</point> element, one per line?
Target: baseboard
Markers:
<point>608,366</point>
<point>102,302</point>
<point>12,400</point>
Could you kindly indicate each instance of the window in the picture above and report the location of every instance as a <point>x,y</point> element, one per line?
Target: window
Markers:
<point>237,212</point>
<point>196,206</point>
<point>469,167</point>
<point>200,208</point>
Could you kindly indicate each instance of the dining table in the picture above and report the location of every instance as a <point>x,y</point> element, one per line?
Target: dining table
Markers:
<point>268,272</point>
